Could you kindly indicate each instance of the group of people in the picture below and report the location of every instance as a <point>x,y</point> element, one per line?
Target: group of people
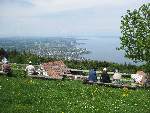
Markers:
<point>6,68</point>
<point>139,77</point>
<point>105,78</point>
<point>30,69</point>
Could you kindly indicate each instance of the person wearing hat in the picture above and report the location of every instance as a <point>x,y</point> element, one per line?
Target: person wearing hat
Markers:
<point>30,69</point>
<point>105,77</point>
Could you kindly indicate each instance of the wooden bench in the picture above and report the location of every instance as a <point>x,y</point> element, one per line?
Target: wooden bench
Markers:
<point>118,85</point>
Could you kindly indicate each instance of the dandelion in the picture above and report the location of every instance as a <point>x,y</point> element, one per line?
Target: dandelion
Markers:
<point>30,81</point>
<point>124,95</point>
<point>125,92</point>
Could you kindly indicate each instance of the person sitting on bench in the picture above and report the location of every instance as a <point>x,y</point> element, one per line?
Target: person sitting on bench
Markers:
<point>105,77</point>
<point>92,76</point>
<point>116,77</point>
<point>6,67</point>
<point>31,69</point>
<point>139,77</point>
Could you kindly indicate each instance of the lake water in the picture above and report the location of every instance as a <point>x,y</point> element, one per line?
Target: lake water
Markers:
<point>103,49</point>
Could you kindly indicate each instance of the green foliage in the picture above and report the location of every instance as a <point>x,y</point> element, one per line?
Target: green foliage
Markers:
<point>146,68</point>
<point>18,73</point>
<point>24,58</point>
<point>2,53</point>
<point>135,29</point>
<point>99,65</point>
<point>25,95</point>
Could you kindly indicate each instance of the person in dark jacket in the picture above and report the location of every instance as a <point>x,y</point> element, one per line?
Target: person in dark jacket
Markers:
<point>105,77</point>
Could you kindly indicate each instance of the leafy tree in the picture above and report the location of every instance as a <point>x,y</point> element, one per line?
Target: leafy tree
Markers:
<point>135,29</point>
<point>3,53</point>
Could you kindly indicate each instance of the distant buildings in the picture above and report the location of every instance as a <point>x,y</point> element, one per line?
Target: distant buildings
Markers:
<point>46,47</point>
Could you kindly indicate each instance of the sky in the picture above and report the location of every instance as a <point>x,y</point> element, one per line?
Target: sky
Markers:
<point>63,17</point>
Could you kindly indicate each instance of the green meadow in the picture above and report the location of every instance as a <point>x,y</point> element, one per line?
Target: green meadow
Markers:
<point>26,95</point>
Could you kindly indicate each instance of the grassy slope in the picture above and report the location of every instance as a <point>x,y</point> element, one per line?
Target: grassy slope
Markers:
<point>25,95</point>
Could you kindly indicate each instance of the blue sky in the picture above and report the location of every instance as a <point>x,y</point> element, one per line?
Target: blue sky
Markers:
<point>63,17</point>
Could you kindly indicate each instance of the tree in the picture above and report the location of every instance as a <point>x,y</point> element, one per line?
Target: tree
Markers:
<point>3,53</point>
<point>135,29</point>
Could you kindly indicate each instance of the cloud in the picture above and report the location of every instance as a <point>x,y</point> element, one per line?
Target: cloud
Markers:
<point>43,17</point>
<point>13,8</point>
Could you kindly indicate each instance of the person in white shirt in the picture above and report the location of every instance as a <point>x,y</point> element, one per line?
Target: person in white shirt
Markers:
<point>30,69</point>
<point>4,60</point>
<point>139,77</point>
<point>116,77</point>
<point>41,71</point>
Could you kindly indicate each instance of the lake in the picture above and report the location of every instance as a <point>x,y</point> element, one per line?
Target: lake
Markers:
<point>103,48</point>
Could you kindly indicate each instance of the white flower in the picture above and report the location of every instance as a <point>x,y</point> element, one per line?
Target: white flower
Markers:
<point>135,104</point>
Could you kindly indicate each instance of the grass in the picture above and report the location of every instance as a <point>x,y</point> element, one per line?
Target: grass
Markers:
<point>26,95</point>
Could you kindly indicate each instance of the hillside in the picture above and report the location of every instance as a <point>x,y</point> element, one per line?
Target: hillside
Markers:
<point>26,95</point>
